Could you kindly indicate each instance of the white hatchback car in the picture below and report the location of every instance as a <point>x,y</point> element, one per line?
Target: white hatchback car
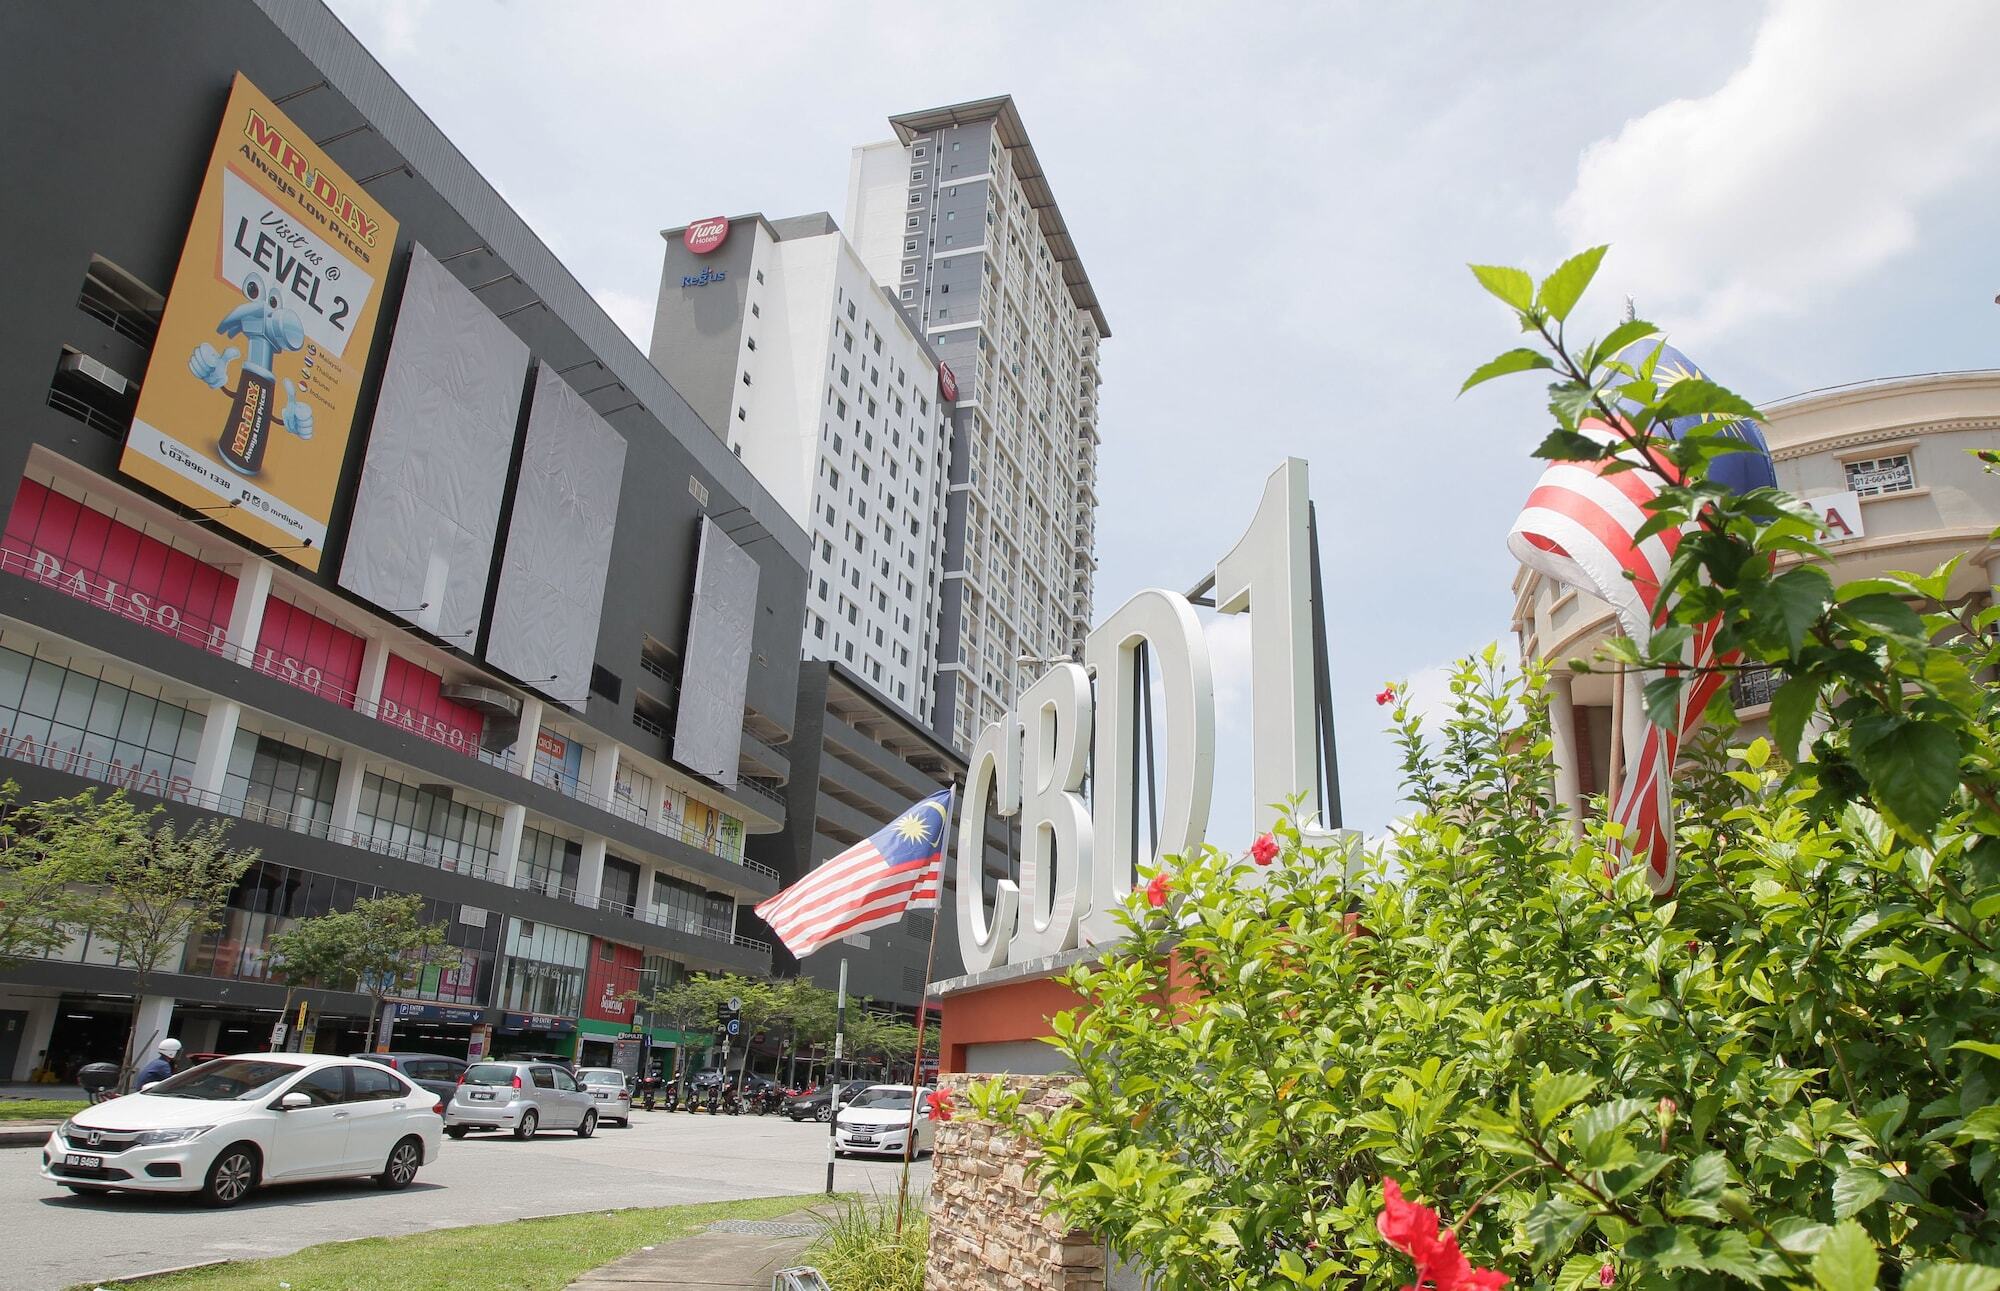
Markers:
<point>229,1125</point>
<point>878,1120</point>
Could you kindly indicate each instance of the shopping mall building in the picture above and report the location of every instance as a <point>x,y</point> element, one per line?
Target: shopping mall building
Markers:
<point>335,507</point>
<point>1887,464</point>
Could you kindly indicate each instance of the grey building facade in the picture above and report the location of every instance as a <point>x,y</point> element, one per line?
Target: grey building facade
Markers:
<point>553,828</point>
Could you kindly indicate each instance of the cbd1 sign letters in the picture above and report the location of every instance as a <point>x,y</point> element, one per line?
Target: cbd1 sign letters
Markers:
<point>1077,859</point>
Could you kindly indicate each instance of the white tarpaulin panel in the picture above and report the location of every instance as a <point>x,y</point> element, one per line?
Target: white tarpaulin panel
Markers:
<point>427,512</point>
<point>715,670</point>
<point>550,599</point>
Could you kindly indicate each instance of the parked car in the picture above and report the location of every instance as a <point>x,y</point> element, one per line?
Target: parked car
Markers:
<point>230,1125</point>
<point>433,1071</point>
<point>879,1121</point>
<point>611,1090</point>
<point>521,1097</point>
<point>817,1104</point>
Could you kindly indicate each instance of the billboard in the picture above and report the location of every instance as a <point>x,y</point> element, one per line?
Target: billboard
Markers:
<point>249,397</point>
<point>708,728</point>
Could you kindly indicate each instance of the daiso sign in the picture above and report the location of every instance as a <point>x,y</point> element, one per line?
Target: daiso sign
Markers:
<point>704,236</point>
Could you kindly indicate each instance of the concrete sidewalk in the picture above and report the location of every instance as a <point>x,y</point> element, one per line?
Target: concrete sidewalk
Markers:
<point>732,1255</point>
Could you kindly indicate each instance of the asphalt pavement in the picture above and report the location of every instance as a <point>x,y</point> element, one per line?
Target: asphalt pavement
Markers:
<point>51,1238</point>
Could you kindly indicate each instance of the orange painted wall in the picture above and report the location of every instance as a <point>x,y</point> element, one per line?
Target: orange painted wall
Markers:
<point>1011,1011</point>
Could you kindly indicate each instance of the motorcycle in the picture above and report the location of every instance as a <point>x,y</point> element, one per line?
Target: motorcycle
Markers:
<point>649,1092</point>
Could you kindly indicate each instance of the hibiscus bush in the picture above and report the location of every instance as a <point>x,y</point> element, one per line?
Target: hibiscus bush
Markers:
<point>1486,1051</point>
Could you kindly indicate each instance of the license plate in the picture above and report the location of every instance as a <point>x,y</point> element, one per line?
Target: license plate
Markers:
<point>88,1163</point>
<point>860,1138</point>
<point>482,1096</point>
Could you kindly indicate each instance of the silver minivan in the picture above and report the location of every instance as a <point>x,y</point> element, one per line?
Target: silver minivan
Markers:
<point>522,1097</point>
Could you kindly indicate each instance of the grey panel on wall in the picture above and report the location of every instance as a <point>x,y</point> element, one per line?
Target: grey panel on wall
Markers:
<point>715,669</point>
<point>550,600</point>
<point>428,509</point>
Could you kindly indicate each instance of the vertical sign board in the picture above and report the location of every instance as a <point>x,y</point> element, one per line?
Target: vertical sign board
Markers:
<point>708,729</point>
<point>249,398</point>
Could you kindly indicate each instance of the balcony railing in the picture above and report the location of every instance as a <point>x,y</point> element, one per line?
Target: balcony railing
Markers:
<point>1754,686</point>
<point>212,638</point>
<point>658,918</point>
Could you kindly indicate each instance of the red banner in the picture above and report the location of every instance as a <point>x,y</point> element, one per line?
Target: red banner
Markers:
<point>297,646</point>
<point>610,979</point>
<point>84,553</point>
<point>413,699</point>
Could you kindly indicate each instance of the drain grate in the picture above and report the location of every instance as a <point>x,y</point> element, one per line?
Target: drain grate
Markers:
<point>766,1228</point>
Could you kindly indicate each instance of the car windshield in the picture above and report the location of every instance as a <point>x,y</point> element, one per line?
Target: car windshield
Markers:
<point>226,1079</point>
<point>884,1099</point>
<point>601,1076</point>
<point>490,1073</point>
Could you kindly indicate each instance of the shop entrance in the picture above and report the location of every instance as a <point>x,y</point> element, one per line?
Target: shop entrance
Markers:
<point>88,1029</point>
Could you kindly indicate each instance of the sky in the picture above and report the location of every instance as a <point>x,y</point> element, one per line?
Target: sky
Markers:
<point>1276,202</point>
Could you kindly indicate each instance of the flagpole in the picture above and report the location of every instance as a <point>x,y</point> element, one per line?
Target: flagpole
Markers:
<point>923,1015</point>
<point>833,1075</point>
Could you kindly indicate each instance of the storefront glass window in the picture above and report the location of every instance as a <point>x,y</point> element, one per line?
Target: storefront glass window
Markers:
<point>402,815</point>
<point>270,779</point>
<point>71,720</point>
<point>550,865</point>
<point>544,969</point>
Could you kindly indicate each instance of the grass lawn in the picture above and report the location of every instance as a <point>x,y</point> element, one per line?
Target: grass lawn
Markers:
<point>524,1255</point>
<point>39,1109</point>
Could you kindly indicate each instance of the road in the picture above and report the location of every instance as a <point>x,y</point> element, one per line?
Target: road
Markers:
<point>55,1239</point>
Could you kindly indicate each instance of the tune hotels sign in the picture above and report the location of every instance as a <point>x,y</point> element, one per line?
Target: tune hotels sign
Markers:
<point>704,236</point>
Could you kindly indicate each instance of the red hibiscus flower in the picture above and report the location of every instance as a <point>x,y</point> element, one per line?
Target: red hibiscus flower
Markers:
<point>1441,1266</point>
<point>940,1107</point>
<point>1606,1276</point>
<point>1386,695</point>
<point>1156,891</point>
<point>1264,850</point>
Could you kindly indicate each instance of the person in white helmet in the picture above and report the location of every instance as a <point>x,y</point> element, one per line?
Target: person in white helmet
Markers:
<point>162,1065</point>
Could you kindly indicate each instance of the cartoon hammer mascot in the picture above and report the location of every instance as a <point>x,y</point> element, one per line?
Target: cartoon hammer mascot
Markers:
<point>268,329</point>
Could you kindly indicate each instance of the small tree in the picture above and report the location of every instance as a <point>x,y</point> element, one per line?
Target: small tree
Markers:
<point>159,886</point>
<point>806,1013</point>
<point>312,953</point>
<point>50,854</point>
<point>683,1007</point>
<point>383,942</point>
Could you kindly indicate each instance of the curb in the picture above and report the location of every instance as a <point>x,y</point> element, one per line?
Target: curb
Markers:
<point>25,1134</point>
<point>132,1278</point>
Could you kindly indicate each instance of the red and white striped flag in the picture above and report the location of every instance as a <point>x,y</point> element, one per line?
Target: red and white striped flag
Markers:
<point>1579,526</point>
<point>872,883</point>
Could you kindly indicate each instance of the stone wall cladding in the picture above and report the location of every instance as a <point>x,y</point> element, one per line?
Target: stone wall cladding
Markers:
<point>988,1228</point>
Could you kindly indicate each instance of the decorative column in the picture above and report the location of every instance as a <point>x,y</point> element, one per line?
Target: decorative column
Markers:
<point>507,853</point>
<point>218,737</point>
<point>246,616</point>
<point>524,740</point>
<point>1562,734</point>
<point>590,878</point>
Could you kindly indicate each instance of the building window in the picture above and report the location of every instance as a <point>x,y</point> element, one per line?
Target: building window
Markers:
<point>911,245</point>
<point>755,312</point>
<point>741,415</point>
<point>909,294</point>
<point>916,177</point>
<point>72,721</point>
<point>919,151</point>
<point>760,275</point>
<point>549,865</point>
<point>909,271</point>
<point>1875,476</point>
<point>395,816</point>
<point>269,778</point>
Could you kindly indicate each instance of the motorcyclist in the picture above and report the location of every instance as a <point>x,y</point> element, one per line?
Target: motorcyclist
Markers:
<point>162,1065</point>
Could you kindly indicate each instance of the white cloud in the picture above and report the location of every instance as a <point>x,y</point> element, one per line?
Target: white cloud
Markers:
<point>1806,169</point>
<point>1428,692</point>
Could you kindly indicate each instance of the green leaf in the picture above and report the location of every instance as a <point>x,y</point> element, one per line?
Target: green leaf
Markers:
<point>1615,340</point>
<point>1911,766</point>
<point>1847,1260</point>
<point>1555,1092</point>
<point>1791,708</point>
<point>1979,1046</point>
<point>1573,446</point>
<point>1856,1189</point>
<point>1221,1232</point>
<point>1697,396</point>
<point>1565,286</point>
<point>1663,701</point>
<point>1952,1277</point>
<point>1787,607</point>
<point>1512,361</point>
<point>1512,286</point>
<point>1554,1224</point>
<point>1887,614</point>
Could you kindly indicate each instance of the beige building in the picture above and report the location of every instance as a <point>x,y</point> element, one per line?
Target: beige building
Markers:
<point>1887,463</point>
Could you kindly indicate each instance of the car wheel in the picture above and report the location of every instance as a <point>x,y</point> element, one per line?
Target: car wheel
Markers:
<point>402,1165</point>
<point>589,1126</point>
<point>232,1176</point>
<point>526,1129</point>
<point>823,1113</point>
<point>456,1131</point>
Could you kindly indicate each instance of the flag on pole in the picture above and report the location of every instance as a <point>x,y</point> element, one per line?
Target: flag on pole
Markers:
<point>870,884</point>
<point>1578,527</point>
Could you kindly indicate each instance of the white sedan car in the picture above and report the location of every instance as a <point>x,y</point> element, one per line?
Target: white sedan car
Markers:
<point>878,1120</point>
<point>227,1126</point>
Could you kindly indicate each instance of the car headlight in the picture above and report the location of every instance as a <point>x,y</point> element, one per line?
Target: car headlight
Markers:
<point>160,1138</point>
<point>67,1128</point>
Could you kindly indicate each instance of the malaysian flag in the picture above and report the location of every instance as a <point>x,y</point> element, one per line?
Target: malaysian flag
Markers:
<point>870,884</point>
<point>1578,527</point>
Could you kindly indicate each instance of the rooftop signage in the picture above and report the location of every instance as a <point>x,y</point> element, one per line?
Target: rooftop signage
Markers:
<point>704,236</point>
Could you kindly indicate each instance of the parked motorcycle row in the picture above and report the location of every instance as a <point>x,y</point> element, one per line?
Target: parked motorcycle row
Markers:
<point>713,1095</point>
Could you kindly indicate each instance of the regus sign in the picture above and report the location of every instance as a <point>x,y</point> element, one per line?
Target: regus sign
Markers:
<point>1077,859</point>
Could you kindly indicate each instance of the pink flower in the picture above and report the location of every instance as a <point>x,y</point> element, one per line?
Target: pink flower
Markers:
<point>1156,891</point>
<point>1415,1231</point>
<point>1606,1276</point>
<point>1386,695</point>
<point>1264,850</point>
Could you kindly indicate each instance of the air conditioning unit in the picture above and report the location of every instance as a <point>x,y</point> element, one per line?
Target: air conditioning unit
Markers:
<point>84,365</point>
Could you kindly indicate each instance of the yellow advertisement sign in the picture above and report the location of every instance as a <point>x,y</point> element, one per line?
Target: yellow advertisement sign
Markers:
<point>249,398</point>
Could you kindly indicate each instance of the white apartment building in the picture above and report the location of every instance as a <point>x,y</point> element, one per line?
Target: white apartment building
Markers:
<point>782,340</point>
<point>955,217</point>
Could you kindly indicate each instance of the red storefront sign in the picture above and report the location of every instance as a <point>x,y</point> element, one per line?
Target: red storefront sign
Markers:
<point>84,553</point>
<point>297,646</point>
<point>610,979</point>
<point>413,699</point>
<point>704,236</point>
<point>947,383</point>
